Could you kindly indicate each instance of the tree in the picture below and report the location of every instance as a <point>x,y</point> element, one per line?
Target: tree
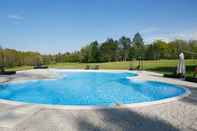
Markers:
<point>108,50</point>
<point>150,53</point>
<point>84,54</point>
<point>124,47</point>
<point>1,56</point>
<point>159,49</point>
<point>138,45</point>
<point>177,46</point>
<point>193,48</point>
<point>93,54</point>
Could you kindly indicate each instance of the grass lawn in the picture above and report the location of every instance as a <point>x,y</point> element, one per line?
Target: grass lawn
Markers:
<point>19,68</point>
<point>162,66</point>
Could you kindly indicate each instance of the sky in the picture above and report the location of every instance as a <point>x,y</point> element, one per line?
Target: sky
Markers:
<point>51,26</point>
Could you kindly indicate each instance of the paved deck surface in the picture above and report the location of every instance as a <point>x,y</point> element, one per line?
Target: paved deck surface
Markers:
<point>178,115</point>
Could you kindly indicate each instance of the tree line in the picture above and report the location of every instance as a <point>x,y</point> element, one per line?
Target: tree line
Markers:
<point>123,49</point>
<point>126,49</point>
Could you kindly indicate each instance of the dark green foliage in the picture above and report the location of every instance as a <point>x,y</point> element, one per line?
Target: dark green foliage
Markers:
<point>90,53</point>
<point>191,79</point>
<point>93,55</point>
<point>122,49</point>
<point>138,45</point>
<point>174,75</point>
<point>108,50</point>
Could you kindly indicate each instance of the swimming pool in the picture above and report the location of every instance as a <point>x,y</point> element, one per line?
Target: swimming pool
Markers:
<point>89,88</point>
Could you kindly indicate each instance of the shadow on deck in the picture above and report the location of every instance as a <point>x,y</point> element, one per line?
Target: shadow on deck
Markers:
<point>123,120</point>
<point>192,98</point>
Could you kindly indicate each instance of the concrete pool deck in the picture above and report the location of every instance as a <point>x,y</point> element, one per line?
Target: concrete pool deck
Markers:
<point>175,115</point>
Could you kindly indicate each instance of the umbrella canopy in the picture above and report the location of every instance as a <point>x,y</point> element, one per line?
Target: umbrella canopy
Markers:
<point>181,64</point>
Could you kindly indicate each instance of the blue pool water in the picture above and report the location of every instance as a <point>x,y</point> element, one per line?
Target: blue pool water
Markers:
<point>89,88</point>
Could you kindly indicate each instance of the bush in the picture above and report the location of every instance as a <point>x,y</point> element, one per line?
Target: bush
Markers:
<point>174,75</point>
<point>191,79</point>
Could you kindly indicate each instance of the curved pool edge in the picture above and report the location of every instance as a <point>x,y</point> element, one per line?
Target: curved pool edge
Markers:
<point>95,107</point>
<point>87,107</point>
<point>59,75</point>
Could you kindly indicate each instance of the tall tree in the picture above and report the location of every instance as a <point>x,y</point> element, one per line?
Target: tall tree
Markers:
<point>138,45</point>
<point>93,52</point>
<point>109,50</point>
<point>84,54</point>
<point>177,46</point>
<point>160,49</point>
<point>124,47</point>
<point>1,56</point>
<point>193,48</point>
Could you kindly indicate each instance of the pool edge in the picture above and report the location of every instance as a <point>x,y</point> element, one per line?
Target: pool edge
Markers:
<point>89,107</point>
<point>119,105</point>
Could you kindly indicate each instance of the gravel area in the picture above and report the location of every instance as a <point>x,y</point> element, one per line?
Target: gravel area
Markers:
<point>180,115</point>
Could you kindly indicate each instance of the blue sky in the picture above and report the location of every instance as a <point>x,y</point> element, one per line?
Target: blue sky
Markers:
<point>51,26</point>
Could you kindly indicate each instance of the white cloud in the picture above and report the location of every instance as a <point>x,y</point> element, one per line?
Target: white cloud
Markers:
<point>163,38</point>
<point>16,17</point>
<point>186,35</point>
<point>154,38</point>
<point>166,36</point>
<point>194,35</point>
<point>179,36</point>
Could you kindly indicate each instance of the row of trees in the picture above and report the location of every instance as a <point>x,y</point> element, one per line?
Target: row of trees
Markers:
<point>113,50</point>
<point>123,49</point>
<point>11,57</point>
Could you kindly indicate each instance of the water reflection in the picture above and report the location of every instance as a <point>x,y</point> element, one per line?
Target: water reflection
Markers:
<point>3,86</point>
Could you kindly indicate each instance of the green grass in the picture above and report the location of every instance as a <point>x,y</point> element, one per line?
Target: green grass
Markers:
<point>162,66</point>
<point>19,68</point>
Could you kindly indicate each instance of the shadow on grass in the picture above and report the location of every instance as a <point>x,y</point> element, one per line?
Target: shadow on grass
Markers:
<point>163,69</point>
<point>122,120</point>
<point>171,70</point>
